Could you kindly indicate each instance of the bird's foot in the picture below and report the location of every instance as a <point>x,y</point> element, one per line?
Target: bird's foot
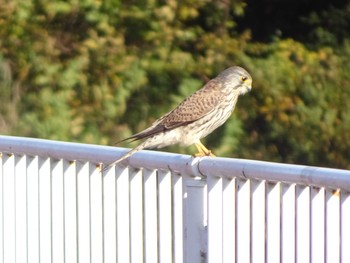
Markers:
<point>203,151</point>
<point>202,154</point>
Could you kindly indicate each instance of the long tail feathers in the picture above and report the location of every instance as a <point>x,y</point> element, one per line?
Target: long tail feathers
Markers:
<point>127,155</point>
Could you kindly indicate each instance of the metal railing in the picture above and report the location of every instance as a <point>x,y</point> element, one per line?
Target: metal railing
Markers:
<point>56,206</point>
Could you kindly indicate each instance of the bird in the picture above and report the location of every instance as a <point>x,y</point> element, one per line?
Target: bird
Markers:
<point>196,116</point>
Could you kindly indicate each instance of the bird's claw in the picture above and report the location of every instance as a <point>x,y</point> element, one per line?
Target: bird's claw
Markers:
<point>202,154</point>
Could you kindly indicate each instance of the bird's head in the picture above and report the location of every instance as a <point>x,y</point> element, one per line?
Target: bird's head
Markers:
<point>237,79</point>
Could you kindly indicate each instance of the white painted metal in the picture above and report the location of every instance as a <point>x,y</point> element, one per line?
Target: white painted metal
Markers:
<point>83,212</point>
<point>288,223</point>
<point>96,215</point>
<point>243,220</point>
<point>120,188</point>
<point>303,223</point>
<point>21,208</point>
<point>345,227</point>
<point>110,215</point>
<point>9,209</point>
<point>57,210</point>
<point>228,220</point>
<point>136,216</point>
<point>215,226</point>
<point>2,209</point>
<point>150,216</point>
<point>177,218</point>
<point>258,213</point>
<point>70,212</point>
<point>318,224</point>
<point>45,215</point>
<point>164,214</point>
<point>56,206</point>
<point>273,222</point>
<point>195,220</point>
<point>33,208</point>
<point>333,226</point>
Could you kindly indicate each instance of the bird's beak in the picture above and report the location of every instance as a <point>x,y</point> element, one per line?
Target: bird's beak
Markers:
<point>245,89</point>
<point>249,86</point>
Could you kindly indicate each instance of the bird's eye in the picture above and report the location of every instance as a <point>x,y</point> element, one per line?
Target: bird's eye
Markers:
<point>244,78</point>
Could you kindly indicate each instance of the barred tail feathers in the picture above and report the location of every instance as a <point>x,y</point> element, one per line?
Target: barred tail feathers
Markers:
<point>127,155</point>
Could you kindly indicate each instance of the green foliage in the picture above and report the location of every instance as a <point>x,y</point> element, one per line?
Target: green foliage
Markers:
<point>301,100</point>
<point>98,71</point>
<point>330,26</point>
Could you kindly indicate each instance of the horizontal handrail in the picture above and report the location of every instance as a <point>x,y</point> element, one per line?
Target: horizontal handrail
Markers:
<point>183,164</point>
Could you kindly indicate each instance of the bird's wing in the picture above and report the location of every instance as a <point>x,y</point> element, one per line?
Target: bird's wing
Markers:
<point>193,108</point>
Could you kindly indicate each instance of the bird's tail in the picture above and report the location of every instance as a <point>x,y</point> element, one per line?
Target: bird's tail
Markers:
<point>127,155</point>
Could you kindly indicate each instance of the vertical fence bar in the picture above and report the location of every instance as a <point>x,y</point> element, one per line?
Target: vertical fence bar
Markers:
<point>33,209</point>
<point>83,209</point>
<point>288,223</point>
<point>273,222</point>
<point>150,216</point>
<point>317,225</point>
<point>345,227</point>
<point>258,221</point>
<point>243,221</point>
<point>136,216</point>
<point>165,216</point>
<point>57,192</point>
<point>1,208</point>
<point>123,214</point>
<point>177,219</point>
<point>9,212</point>
<point>45,210</point>
<point>70,211</point>
<point>96,214</point>
<point>332,226</point>
<point>228,220</point>
<point>302,223</point>
<point>110,216</point>
<point>214,218</point>
<point>21,209</point>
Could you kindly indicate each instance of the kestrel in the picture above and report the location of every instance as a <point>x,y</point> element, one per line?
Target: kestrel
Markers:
<point>197,116</point>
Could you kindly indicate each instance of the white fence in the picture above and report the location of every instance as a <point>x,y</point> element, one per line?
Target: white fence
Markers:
<point>55,206</point>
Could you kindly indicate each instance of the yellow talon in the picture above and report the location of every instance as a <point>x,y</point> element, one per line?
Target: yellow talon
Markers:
<point>203,151</point>
<point>204,154</point>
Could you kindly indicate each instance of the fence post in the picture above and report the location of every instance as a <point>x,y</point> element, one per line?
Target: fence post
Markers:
<point>195,220</point>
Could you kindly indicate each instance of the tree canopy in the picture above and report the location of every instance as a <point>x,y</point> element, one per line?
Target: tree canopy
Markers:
<point>99,71</point>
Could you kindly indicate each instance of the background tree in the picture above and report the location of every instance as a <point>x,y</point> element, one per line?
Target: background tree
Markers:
<point>96,72</point>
